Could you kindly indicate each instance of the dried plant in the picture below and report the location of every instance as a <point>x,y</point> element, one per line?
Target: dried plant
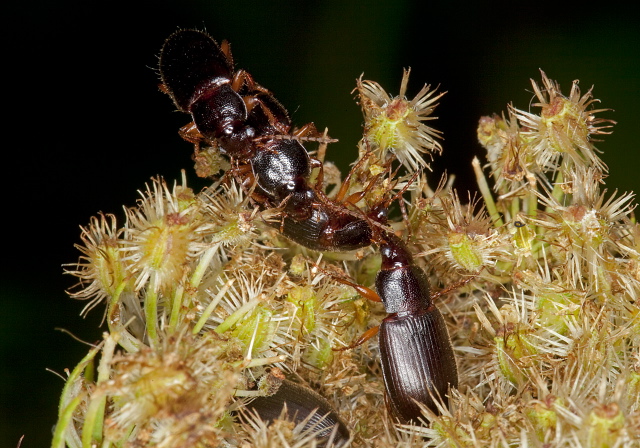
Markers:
<point>203,298</point>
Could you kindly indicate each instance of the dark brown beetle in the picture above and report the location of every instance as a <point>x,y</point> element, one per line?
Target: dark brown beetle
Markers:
<point>249,125</point>
<point>417,358</point>
<point>229,109</point>
<point>303,405</point>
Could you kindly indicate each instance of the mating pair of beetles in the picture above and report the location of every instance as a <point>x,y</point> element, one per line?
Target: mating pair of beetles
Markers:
<point>244,120</point>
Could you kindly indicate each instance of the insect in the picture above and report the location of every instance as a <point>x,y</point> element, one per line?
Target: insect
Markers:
<point>230,110</point>
<point>303,405</point>
<point>418,364</point>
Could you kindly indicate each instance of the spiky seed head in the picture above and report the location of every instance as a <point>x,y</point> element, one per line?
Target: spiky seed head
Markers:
<point>565,126</point>
<point>461,236</point>
<point>102,268</point>
<point>163,234</point>
<point>396,124</point>
<point>543,416</point>
<point>605,423</point>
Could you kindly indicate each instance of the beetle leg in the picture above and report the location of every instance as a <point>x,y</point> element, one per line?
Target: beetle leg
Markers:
<point>371,332</point>
<point>365,292</point>
<point>308,130</point>
<point>225,47</point>
<point>354,198</point>
<point>190,133</point>
<point>347,180</point>
<point>242,78</point>
<point>436,295</point>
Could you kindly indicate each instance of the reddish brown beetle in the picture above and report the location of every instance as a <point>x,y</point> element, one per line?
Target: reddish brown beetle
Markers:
<point>417,358</point>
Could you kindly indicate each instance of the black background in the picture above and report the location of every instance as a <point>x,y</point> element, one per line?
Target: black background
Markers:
<point>86,127</point>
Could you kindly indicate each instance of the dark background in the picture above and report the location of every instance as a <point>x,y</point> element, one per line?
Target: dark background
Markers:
<point>85,125</point>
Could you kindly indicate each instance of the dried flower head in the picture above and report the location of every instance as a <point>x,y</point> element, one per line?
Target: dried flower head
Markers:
<point>101,269</point>
<point>461,237</point>
<point>397,124</point>
<point>163,233</point>
<point>209,161</point>
<point>565,126</point>
<point>208,305</point>
<point>162,395</point>
<point>510,156</point>
<point>228,214</point>
<point>584,228</point>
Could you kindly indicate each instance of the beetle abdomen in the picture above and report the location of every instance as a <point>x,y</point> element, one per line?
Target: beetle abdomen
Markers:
<point>417,358</point>
<point>191,62</point>
<point>327,230</point>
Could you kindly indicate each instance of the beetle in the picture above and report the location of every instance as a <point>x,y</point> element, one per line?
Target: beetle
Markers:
<point>303,405</point>
<point>416,355</point>
<point>230,110</point>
